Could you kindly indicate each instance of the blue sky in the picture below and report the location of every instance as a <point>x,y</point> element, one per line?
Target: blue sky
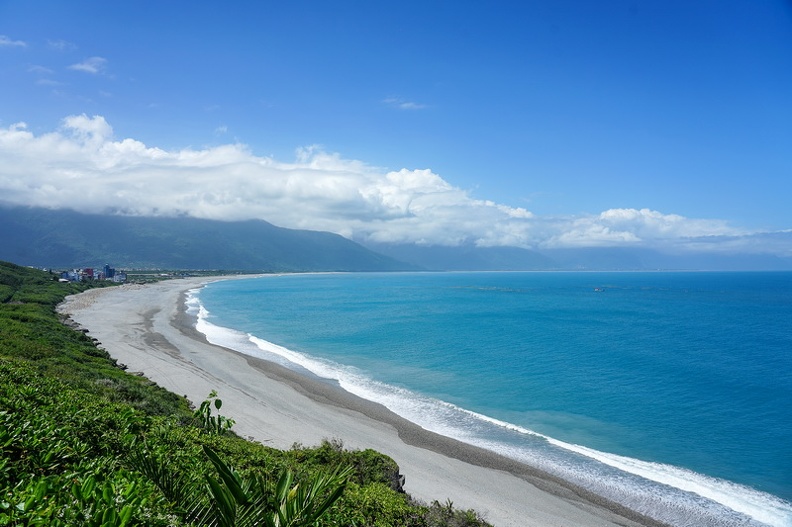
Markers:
<point>535,124</point>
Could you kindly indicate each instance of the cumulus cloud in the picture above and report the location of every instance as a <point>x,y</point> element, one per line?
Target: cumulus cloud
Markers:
<point>6,42</point>
<point>633,227</point>
<point>83,166</point>
<point>93,65</point>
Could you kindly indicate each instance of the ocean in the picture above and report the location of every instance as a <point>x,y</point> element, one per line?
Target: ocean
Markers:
<point>670,393</point>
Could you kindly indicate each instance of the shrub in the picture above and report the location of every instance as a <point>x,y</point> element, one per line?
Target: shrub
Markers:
<point>84,443</point>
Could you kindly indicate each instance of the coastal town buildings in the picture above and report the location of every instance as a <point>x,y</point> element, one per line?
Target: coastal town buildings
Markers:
<point>89,273</point>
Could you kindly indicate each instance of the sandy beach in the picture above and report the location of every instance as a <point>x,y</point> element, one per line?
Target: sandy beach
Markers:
<point>147,329</point>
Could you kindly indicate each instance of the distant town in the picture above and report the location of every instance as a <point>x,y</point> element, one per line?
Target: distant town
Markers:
<point>89,273</point>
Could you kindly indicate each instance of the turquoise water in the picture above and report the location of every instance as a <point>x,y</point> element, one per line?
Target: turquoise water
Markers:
<point>668,392</point>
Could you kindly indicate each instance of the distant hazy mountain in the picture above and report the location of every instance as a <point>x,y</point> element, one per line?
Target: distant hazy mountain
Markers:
<point>62,238</point>
<point>473,258</point>
<point>643,259</point>
<point>467,258</point>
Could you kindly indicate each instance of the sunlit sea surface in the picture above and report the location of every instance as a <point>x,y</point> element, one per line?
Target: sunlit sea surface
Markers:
<point>670,393</point>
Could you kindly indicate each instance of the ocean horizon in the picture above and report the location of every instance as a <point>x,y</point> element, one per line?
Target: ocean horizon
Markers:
<point>666,392</point>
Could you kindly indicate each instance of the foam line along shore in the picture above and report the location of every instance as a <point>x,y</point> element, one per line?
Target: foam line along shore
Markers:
<point>673,494</point>
<point>146,328</point>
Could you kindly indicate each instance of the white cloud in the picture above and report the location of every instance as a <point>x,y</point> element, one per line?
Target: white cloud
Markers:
<point>93,65</point>
<point>61,45</point>
<point>401,104</point>
<point>634,227</point>
<point>84,166</point>
<point>7,42</point>
<point>40,70</point>
<point>43,73</point>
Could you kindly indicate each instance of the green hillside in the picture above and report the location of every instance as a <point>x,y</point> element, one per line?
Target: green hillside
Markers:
<point>84,443</point>
<point>63,238</point>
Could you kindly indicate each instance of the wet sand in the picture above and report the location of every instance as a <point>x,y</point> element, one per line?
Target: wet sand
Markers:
<point>146,328</point>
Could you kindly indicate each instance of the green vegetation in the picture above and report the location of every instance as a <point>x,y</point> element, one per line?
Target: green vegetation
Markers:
<point>64,238</point>
<point>84,443</point>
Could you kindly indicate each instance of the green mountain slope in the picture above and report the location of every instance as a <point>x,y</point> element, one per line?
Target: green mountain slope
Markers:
<point>62,238</point>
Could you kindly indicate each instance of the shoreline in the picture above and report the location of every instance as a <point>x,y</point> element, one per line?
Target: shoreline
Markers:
<point>148,329</point>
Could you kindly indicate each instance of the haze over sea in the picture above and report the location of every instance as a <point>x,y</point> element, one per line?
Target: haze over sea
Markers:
<point>666,392</point>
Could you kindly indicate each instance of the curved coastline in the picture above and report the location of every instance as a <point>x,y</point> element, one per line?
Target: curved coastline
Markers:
<point>148,329</point>
<point>330,393</point>
<point>667,494</point>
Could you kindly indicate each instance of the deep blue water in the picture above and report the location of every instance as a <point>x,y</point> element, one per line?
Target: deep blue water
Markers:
<point>667,380</point>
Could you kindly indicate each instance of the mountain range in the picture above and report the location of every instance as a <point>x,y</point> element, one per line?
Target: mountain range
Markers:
<point>67,239</point>
<point>472,258</point>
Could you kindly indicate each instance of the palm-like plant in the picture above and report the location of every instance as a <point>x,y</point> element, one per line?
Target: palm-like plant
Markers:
<point>237,501</point>
<point>234,500</point>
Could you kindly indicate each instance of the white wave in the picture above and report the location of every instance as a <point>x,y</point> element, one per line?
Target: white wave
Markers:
<point>461,424</point>
<point>443,418</point>
<point>761,506</point>
<point>229,338</point>
<point>764,507</point>
<point>192,301</point>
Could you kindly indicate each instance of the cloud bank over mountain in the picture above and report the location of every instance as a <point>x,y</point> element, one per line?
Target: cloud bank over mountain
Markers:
<point>83,166</point>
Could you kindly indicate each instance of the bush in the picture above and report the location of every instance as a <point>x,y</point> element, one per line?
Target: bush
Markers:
<point>84,443</point>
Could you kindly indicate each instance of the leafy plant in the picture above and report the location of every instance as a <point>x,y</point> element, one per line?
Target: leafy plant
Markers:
<point>238,501</point>
<point>83,443</point>
<point>213,424</point>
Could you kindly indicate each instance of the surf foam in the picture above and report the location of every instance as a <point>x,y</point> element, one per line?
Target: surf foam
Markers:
<point>666,493</point>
